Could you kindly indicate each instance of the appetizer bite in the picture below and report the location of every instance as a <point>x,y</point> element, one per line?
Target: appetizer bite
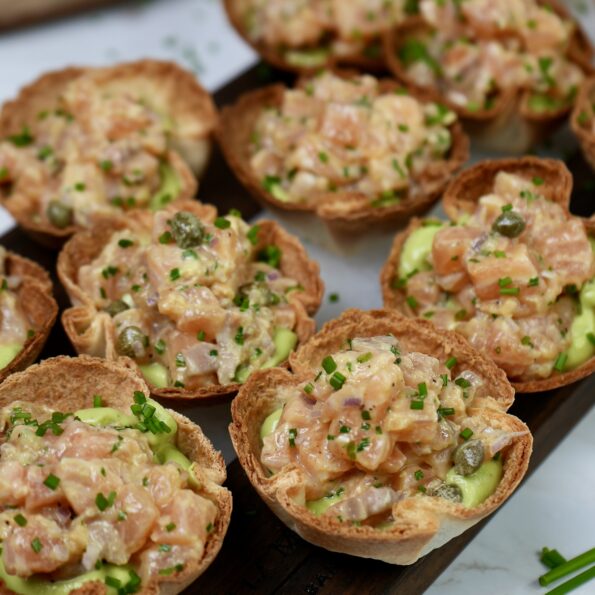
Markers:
<point>354,150</point>
<point>583,120</point>
<point>511,70</point>
<point>513,271</point>
<point>102,489</point>
<point>305,35</point>
<point>197,301</point>
<point>27,311</point>
<point>389,438</point>
<point>82,144</point>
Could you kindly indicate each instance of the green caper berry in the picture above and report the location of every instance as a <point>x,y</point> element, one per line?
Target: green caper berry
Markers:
<point>468,457</point>
<point>59,214</point>
<point>509,224</point>
<point>448,492</point>
<point>186,229</point>
<point>132,342</point>
<point>116,307</point>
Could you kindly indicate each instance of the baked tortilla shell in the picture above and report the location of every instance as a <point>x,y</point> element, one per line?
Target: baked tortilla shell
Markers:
<point>69,383</point>
<point>275,57</point>
<point>34,296</point>
<point>460,198</point>
<point>509,126</point>
<point>170,90</point>
<point>421,523</point>
<point>586,137</point>
<point>343,212</point>
<point>91,331</point>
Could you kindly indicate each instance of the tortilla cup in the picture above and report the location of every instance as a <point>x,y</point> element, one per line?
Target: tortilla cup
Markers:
<point>345,213</point>
<point>420,525</point>
<point>169,89</point>
<point>91,331</point>
<point>580,117</point>
<point>67,384</point>
<point>460,198</point>
<point>35,298</point>
<point>509,125</point>
<point>370,59</point>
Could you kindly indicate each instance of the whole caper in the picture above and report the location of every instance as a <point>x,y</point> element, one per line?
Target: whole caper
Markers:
<point>116,307</point>
<point>132,342</point>
<point>59,214</point>
<point>448,491</point>
<point>468,457</point>
<point>510,224</point>
<point>186,229</point>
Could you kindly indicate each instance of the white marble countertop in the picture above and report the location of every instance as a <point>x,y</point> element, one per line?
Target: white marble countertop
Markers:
<point>556,506</point>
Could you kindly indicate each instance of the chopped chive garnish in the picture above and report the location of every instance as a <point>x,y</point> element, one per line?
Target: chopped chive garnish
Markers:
<point>507,207</point>
<point>504,281</point>
<point>462,382</point>
<point>174,274</point>
<point>103,503</point>
<point>330,437</point>
<point>51,481</point>
<point>222,223</point>
<point>444,379</point>
<point>160,347</point>
<point>537,181</point>
<point>309,388</point>
<point>419,474</point>
<point>568,567</point>
<point>328,364</point>
<point>252,235</point>
<point>411,302</point>
<point>337,380</point>
<point>422,389</point>
<point>170,527</point>
<point>97,402</point>
<point>165,238</point>
<point>560,362</point>
<point>36,545</point>
<point>446,411</point>
<point>591,338</point>
<point>509,291</point>
<point>124,243</point>
<point>365,357</point>
<point>417,404</point>
<point>366,415</point>
<point>451,362</point>
<point>344,430</point>
<point>533,282</point>
<point>466,433</point>
<point>20,520</point>
<point>292,436</point>
<point>239,338</point>
<point>201,335</point>
<point>333,298</point>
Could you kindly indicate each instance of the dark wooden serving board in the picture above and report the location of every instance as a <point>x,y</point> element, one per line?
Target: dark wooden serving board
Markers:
<point>260,555</point>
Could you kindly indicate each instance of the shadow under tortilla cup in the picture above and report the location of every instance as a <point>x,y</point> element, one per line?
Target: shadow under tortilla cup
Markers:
<point>169,89</point>
<point>38,305</point>
<point>91,331</point>
<point>420,525</point>
<point>67,384</point>
<point>344,213</point>
<point>461,198</point>
<point>584,113</point>
<point>509,125</point>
